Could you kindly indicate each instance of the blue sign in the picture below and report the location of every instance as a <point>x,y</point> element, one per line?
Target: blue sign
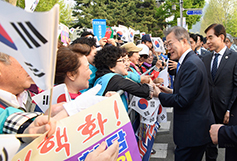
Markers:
<point>99,28</point>
<point>194,12</point>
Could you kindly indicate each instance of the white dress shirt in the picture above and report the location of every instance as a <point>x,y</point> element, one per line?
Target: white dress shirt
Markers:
<point>181,59</point>
<point>19,100</point>
<point>219,57</point>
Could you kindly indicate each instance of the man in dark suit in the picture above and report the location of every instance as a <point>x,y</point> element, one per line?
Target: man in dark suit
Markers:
<point>190,98</point>
<point>201,51</point>
<point>221,66</point>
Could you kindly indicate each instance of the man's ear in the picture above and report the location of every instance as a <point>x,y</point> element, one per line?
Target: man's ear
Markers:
<point>185,41</point>
<point>222,37</point>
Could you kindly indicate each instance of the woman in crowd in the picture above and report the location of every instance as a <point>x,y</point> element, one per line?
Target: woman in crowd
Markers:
<point>133,55</point>
<point>147,64</point>
<point>72,68</point>
<point>111,64</point>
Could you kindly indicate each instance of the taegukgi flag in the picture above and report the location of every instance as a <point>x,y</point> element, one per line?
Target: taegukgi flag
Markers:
<point>123,32</point>
<point>142,34</point>
<point>60,94</point>
<point>31,38</point>
<point>131,34</point>
<point>158,44</point>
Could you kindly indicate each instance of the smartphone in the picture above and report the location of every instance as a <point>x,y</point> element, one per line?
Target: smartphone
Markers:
<point>108,33</point>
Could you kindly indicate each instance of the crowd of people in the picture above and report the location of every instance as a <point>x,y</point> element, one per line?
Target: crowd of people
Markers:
<point>203,93</point>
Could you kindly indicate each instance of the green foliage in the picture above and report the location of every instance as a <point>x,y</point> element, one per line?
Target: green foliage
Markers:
<point>223,12</point>
<point>144,16</point>
<point>187,4</point>
<point>46,5</point>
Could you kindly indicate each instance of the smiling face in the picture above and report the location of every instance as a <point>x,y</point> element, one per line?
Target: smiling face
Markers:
<point>79,80</point>
<point>175,47</point>
<point>215,43</point>
<point>134,58</point>
<point>121,66</point>
<point>150,58</point>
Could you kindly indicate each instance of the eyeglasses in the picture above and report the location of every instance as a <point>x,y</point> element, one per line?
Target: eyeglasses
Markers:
<point>167,45</point>
<point>123,60</point>
<point>144,56</point>
<point>227,41</point>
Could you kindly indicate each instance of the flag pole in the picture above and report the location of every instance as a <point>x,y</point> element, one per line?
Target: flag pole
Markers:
<point>50,103</point>
<point>26,135</point>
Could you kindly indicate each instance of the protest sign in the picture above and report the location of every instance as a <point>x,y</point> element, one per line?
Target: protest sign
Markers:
<point>31,38</point>
<point>79,134</point>
<point>99,28</point>
<point>8,147</point>
<point>64,34</point>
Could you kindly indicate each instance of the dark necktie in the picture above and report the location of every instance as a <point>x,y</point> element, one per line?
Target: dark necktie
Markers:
<point>214,66</point>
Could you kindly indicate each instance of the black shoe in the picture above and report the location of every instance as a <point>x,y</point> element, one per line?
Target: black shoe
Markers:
<point>153,151</point>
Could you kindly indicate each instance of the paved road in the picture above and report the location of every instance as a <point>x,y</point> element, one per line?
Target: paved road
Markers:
<point>164,145</point>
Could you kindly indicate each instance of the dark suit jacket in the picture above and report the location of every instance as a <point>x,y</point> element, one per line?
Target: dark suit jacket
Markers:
<point>190,99</point>
<point>203,53</point>
<point>227,138</point>
<point>223,90</point>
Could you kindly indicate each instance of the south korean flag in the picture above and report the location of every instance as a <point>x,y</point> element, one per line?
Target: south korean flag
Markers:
<point>60,94</point>
<point>144,107</point>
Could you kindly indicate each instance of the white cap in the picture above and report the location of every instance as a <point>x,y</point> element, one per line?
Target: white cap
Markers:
<point>145,49</point>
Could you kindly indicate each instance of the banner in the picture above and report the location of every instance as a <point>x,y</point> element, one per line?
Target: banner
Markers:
<point>8,147</point>
<point>30,5</point>
<point>31,38</point>
<point>79,134</point>
<point>60,94</point>
<point>158,44</point>
<point>99,28</point>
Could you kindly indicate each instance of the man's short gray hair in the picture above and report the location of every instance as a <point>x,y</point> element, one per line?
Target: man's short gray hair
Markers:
<point>179,32</point>
<point>228,36</point>
<point>4,58</point>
